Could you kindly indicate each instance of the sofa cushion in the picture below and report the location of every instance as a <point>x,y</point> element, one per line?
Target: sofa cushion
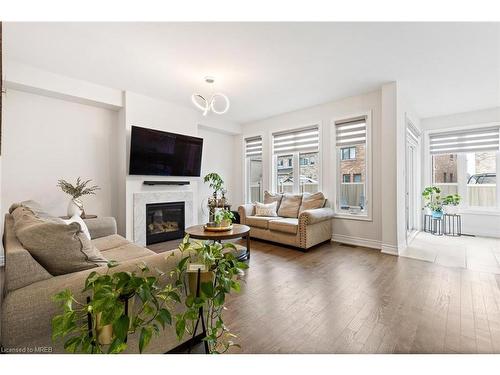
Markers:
<point>312,201</point>
<point>127,251</point>
<point>263,209</point>
<point>290,204</point>
<point>288,225</point>
<point>109,242</point>
<point>260,221</point>
<point>270,198</point>
<point>58,247</point>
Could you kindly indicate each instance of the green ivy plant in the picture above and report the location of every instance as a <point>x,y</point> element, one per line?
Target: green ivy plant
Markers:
<point>226,269</point>
<point>452,199</point>
<point>107,305</point>
<point>432,198</point>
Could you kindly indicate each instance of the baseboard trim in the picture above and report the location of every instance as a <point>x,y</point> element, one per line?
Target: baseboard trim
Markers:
<point>357,241</point>
<point>390,249</point>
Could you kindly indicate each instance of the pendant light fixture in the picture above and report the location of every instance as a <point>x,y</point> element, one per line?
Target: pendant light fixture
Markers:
<point>218,102</point>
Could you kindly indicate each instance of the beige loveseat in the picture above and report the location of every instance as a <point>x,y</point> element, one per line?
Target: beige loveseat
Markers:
<point>27,307</point>
<point>296,224</point>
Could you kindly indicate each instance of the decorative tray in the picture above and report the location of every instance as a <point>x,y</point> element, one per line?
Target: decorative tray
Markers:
<point>218,229</point>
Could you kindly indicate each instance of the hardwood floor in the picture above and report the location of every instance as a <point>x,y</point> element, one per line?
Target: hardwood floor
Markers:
<point>342,299</point>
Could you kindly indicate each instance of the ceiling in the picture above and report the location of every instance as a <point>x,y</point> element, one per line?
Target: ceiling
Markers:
<point>271,68</point>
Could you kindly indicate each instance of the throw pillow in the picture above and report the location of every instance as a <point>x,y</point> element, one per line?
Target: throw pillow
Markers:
<point>270,198</point>
<point>312,201</point>
<point>290,204</point>
<point>262,209</point>
<point>79,220</point>
<point>60,248</point>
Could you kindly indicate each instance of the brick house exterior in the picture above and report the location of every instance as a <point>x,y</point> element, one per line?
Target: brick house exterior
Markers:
<point>353,166</point>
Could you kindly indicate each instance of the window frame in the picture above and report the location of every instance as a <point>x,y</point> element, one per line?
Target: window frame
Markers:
<point>462,186</point>
<point>246,164</point>
<point>335,165</point>
<point>296,158</point>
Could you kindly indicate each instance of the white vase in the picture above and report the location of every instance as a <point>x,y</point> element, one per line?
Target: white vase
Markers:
<point>75,207</point>
<point>427,211</point>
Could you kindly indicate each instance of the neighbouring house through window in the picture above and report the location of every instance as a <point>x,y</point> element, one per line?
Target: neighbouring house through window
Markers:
<point>351,143</point>
<point>296,167</point>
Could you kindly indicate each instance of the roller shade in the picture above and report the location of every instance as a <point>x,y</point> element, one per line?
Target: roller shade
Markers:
<point>351,132</point>
<point>253,146</point>
<point>303,140</point>
<point>476,140</point>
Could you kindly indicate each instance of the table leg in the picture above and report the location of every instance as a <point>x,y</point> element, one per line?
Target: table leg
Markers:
<point>248,246</point>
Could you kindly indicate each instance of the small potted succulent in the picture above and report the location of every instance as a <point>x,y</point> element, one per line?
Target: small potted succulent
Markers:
<point>434,203</point>
<point>450,204</point>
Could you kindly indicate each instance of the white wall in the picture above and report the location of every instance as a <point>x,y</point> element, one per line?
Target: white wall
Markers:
<point>362,232</point>
<point>152,113</point>
<point>218,152</point>
<point>473,221</point>
<point>45,139</point>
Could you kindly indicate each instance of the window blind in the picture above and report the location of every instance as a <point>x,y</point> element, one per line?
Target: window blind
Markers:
<point>351,132</point>
<point>303,140</point>
<point>474,140</point>
<point>253,146</point>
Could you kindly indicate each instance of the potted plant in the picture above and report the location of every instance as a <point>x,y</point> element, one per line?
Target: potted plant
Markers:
<point>223,218</point>
<point>450,204</point>
<point>102,323</point>
<point>75,205</point>
<point>434,204</point>
<point>220,277</point>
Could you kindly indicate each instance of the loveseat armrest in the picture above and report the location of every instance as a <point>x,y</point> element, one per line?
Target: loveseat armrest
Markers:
<point>246,210</point>
<point>317,215</point>
<point>101,226</point>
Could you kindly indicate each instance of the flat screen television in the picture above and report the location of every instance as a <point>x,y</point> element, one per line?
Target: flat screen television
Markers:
<point>158,153</point>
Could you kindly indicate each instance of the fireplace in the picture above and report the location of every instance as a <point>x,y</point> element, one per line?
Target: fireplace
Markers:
<point>164,221</point>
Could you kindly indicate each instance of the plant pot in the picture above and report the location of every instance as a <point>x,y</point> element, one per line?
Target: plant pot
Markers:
<point>225,223</point>
<point>75,207</point>
<point>207,276</point>
<point>104,333</point>
<point>437,214</point>
<point>450,209</point>
<point>427,211</point>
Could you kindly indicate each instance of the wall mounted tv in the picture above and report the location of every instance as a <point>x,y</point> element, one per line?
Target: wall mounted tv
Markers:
<point>158,153</point>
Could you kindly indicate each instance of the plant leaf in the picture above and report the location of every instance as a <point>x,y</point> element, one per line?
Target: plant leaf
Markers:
<point>145,337</point>
<point>121,326</point>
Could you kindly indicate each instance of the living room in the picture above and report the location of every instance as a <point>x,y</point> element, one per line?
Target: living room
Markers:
<point>228,167</point>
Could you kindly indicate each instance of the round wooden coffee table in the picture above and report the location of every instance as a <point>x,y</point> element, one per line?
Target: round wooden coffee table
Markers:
<point>198,232</point>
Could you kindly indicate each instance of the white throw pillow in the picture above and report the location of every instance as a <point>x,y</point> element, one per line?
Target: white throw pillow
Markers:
<point>79,220</point>
<point>262,209</point>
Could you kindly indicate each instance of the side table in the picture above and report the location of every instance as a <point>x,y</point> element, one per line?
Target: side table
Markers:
<point>452,225</point>
<point>433,225</point>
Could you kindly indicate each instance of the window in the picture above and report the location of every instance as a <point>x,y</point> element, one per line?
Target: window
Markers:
<point>351,145</point>
<point>467,161</point>
<point>292,149</point>
<point>348,153</point>
<point>481,178</point>
<point>253,156</point>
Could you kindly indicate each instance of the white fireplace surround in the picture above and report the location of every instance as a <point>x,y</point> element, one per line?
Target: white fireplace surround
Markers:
<point>141,199</point>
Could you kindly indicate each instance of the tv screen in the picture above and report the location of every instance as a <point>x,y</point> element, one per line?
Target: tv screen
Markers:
<point>158,153</point>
